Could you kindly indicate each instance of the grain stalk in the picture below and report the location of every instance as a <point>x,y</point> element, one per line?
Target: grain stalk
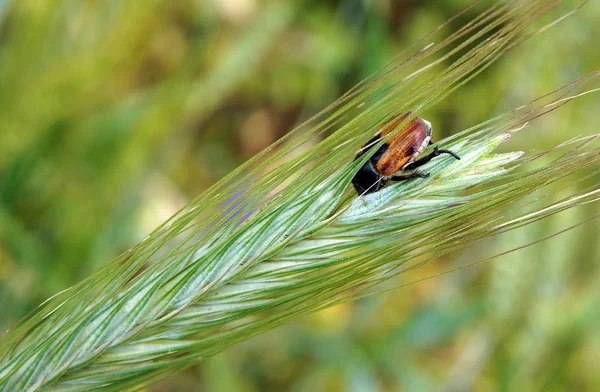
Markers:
<point>285,234</point>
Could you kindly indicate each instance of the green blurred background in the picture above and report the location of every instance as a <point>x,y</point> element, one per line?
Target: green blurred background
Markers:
<point>113,114</point>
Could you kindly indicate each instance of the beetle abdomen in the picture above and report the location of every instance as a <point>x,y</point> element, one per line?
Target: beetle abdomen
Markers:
<point>391,164</point>
<point>404,146</point>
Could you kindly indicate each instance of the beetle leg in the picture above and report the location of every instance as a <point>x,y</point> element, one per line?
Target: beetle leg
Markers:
<point>436,152</point>
<point>410,176</point>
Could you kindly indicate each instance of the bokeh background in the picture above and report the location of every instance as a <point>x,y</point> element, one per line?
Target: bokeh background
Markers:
<point>113,114</point>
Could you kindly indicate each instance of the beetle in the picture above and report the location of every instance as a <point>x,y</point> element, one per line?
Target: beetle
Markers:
<point>396,159</point>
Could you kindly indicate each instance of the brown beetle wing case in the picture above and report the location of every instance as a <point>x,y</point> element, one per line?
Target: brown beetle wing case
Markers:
<point>403,145</point>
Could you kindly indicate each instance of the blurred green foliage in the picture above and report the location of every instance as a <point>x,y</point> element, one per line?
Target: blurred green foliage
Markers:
<point>114,113</point>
